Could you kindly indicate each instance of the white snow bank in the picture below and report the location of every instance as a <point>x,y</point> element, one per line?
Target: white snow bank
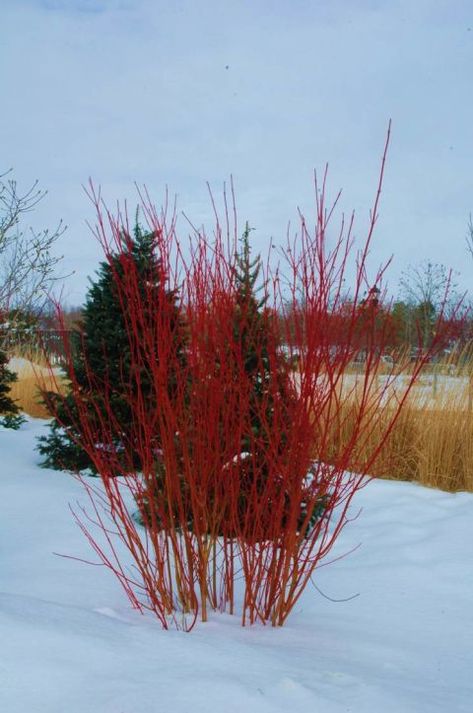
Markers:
<point>20,365</point>
<point>69,641</point>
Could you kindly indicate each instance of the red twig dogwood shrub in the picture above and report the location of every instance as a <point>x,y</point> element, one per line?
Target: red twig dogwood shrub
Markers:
<point>241,489</point>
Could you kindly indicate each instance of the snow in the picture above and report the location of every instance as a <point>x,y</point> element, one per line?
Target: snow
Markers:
<point>70,642</point>
<point>430,391</point>
<point>20,365</point>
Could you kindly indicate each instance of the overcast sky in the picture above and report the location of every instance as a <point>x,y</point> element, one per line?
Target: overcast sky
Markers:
<point>178,93</point>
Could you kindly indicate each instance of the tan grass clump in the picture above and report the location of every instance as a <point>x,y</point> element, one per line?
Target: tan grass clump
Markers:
<point>33,377</point>
<point>431,442</point>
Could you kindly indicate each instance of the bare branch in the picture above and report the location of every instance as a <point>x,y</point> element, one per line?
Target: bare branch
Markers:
<point>27,262</point>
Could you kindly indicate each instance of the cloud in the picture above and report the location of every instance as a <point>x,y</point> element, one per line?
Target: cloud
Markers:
<point>180,93</point>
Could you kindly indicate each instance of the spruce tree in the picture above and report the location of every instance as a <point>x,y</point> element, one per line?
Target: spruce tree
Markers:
<point>9,412</point>
<point>251,335</point>
<point>250,331</point>
<point>102,349</point>
<point>248,348</point>
<point>267,374</point>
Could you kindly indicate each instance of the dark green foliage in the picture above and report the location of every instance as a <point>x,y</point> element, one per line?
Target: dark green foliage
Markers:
<point>251,331</point>
<point>261,370</point>
<point>7,377</point>
<point>267,370</point>
<point>9,412</point>
<point>103,356</point>
<point>58,449</point>
<point>13,421</point>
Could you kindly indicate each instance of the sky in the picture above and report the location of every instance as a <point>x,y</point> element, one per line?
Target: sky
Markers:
<point>178,94</point>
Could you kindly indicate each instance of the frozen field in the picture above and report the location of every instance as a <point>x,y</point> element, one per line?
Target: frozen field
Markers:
<point>431,391</point>
<point>401,643</point>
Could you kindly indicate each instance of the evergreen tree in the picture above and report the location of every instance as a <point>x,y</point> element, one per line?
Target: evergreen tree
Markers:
<point>9,412</point>
<point>102,349</point>
<point>268,376</point>
<point>250,331</point>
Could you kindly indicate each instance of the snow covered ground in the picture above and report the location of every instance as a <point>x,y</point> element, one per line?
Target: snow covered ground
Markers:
<point>430,391</point>
<point>70,642</point>
<point>24,366</point>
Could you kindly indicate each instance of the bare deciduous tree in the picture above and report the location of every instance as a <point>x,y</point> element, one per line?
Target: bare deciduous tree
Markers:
<point>27,262</point>
<point>426,287</point>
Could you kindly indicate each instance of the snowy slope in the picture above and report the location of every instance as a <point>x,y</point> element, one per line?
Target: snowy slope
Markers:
<point>70,642</point>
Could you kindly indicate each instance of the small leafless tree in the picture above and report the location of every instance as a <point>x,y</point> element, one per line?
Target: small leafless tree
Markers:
<point>27,261</point>
<point>425,286</point>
